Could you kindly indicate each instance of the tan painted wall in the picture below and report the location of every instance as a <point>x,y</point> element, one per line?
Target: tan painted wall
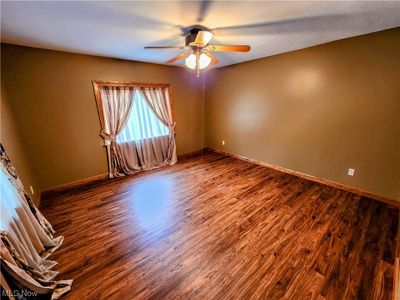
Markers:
<point>319,111</point>
<point>52,97</point>
<point>11,139</point>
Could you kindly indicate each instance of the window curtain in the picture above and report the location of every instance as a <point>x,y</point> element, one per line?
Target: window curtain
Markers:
<point>128,157</point>
<point>159,101</point>
<point>26,239</point>
<point>116,103</point>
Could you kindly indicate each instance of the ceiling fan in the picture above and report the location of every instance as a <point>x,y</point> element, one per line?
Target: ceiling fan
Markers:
<point>198,50</point>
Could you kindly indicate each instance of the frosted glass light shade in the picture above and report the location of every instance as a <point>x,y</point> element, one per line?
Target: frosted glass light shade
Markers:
<point>204,61</point>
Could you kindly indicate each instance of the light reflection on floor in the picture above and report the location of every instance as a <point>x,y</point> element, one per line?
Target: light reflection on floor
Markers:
<point>152,203</point>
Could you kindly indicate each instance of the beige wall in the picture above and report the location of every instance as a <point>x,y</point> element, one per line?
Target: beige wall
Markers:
<point>52,96</point>
<point>319,111</point>
<point>11,139</point>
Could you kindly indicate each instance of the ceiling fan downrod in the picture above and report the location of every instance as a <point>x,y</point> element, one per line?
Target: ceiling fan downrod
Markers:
<point>197,63</point>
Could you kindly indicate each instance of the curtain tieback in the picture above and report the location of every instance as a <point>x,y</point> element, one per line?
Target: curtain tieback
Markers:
<point>172,127</point>
<point>108,136</point>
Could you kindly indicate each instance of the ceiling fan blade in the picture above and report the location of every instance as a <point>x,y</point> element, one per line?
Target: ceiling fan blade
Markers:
<point>165,47</point>
<point>203,37</point>
<point>204,7</point>
<point>229,48</point>
<point>178,57</point>
<point>303,24</point>
<point>214,60</point>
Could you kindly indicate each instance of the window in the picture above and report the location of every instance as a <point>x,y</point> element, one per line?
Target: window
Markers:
<point>142,122</point>
<point>137,125</point>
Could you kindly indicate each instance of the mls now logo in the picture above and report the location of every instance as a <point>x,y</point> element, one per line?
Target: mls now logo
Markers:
<point>19,294</point>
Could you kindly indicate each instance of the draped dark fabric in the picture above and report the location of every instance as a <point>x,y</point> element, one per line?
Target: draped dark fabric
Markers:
<point>26,239</point>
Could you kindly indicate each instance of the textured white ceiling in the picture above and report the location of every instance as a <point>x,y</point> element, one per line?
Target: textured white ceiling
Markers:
<point>122,29</point>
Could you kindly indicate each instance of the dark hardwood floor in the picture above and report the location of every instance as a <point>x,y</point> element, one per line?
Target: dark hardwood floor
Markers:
<point>214,227</point>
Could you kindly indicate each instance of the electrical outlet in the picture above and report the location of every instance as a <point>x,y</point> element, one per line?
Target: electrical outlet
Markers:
<point>223,143</point>
<point>32,191</point>
<point>351,172</point>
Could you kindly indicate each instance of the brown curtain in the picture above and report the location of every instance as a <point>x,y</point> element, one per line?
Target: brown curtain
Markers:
<point>26,238</point>
<point>126,158</point>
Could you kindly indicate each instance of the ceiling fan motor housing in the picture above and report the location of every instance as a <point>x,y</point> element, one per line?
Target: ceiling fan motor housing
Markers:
<point>191,37</point>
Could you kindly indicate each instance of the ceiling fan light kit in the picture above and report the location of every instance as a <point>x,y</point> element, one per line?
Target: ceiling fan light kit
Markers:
<point>191,60</point>
<point>199,54</point>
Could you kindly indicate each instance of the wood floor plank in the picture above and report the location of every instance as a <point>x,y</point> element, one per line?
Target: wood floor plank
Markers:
<point>215,227</point>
